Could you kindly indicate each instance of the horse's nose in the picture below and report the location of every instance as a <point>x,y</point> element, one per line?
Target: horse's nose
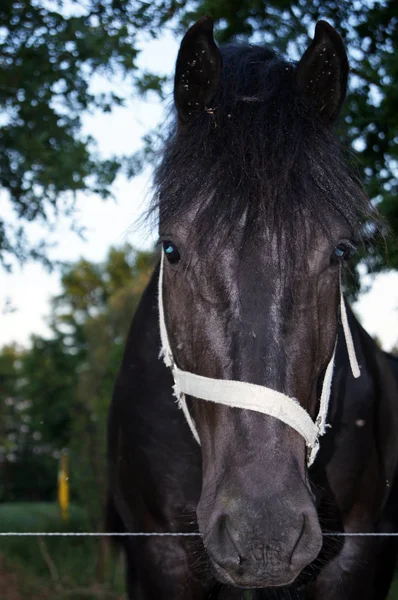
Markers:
<point>273,558</point>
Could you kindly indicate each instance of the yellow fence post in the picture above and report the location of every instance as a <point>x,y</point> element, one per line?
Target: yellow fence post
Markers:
<point>63,485</point>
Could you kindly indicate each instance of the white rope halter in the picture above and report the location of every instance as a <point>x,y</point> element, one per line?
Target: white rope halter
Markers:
<point>240,394</point>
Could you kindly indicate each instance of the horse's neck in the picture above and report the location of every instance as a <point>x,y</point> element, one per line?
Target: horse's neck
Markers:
<point>373,396</point>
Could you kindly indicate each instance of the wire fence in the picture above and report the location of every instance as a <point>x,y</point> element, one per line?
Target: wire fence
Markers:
<point>165,534</point>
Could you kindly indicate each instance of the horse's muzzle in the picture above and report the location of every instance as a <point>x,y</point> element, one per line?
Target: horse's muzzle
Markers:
<point>270,553</point>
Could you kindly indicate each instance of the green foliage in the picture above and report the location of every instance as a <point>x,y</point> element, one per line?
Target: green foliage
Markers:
<point>57,393</point>
<point>50,373</point>
<point>49,53</point>
<point>36,400</point>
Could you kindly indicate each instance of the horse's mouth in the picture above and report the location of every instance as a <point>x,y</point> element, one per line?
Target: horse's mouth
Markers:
<point>242,579</point>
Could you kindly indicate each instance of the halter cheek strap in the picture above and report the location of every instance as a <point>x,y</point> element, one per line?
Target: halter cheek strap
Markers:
<point>250,396</point>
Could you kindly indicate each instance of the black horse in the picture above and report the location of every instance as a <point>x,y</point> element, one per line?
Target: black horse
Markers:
<point>258,214</point>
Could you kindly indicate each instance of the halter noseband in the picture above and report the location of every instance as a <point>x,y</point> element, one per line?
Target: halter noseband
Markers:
<point>250,396</point>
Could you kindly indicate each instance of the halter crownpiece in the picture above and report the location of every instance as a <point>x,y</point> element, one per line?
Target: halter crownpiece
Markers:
<point>250,396</point>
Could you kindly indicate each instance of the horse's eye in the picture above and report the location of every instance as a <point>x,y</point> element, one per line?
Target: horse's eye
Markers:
<point>344,250</point>
<point>171,251</point>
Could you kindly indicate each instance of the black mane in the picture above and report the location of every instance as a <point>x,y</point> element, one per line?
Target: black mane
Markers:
<point>258,154</point>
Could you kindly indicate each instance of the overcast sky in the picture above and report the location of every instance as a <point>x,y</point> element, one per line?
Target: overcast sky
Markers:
<point>29,290</point>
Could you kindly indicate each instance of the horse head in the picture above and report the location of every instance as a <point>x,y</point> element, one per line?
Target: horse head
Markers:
<point>258,213</point>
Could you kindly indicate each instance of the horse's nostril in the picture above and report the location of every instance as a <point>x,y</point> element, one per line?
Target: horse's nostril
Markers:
<point>308,544</point>
<point>299,539</point>
<point>222,545</point>
<point>226,536</point>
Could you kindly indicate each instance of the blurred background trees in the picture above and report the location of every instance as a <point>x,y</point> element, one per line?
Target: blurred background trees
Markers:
<point>56,394</point>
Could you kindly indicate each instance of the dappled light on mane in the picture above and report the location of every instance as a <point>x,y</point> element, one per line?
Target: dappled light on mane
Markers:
<point>259,156</point>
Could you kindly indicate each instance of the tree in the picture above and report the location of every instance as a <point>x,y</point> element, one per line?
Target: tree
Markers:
<point>56,394</point>
<point>9,397</point>
<point>49,52</point>
<point>26,462</point>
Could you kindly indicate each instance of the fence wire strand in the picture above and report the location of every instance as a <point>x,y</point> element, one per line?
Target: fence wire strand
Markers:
<point>164,534</point>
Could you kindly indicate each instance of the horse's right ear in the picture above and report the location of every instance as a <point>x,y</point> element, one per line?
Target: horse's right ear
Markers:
<point>198,70</point>
<point>322,73</point>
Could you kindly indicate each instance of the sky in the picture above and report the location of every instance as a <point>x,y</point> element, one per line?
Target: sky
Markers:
<point>28,290</point>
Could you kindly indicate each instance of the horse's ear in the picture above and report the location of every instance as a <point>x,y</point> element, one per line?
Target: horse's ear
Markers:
<point>322,73</point>
<point>198,70</point>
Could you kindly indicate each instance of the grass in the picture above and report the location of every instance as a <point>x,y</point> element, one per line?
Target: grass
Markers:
<point>56,568</point>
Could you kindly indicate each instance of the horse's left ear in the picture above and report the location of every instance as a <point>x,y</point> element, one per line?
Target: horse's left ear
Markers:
<point>198,70</point>
<point>322,73</point>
